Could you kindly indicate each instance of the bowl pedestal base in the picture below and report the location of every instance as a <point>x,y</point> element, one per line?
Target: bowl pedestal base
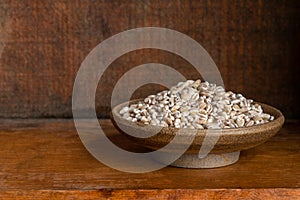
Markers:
<point>210,161</point>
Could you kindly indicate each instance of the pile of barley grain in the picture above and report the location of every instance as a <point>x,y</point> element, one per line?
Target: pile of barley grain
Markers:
<point>196,105</point>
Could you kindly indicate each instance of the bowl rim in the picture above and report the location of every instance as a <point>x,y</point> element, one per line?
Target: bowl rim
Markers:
<point>277,122</point>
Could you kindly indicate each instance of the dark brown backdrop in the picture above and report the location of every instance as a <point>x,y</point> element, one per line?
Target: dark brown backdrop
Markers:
<point>255,44</point>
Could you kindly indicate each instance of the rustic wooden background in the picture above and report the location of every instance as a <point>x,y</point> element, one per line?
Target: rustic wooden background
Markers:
<point>255,44</point>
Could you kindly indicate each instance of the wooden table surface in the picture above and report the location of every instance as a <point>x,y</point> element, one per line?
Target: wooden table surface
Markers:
<point>46,158</point>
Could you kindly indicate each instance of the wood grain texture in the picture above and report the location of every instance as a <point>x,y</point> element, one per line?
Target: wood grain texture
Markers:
<point>41,156</point>
<point>226,194</point>
<point>255,44</point>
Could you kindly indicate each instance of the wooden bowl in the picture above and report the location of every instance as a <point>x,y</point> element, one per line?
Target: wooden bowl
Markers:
<point>228,145</point>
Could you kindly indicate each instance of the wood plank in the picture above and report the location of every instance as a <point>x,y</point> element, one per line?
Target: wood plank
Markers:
<point>255,44</point>
<point>237,194</point>
<point>48,155</point>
